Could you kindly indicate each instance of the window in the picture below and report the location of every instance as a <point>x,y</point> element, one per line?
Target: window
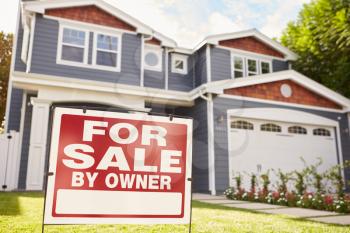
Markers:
<point>297,130</point>
<point>106,53</point>
<point>270,127</point>
<point>153,58</point>
<point>179,63</point>
<point>238,67</point>
<point>322,132</point>
<point>73,46</point>
<point>242,125</point>
<point>265,67</point>
<point>252,67</point>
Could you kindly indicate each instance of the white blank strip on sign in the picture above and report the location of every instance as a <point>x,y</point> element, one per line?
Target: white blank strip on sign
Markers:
<point>124,203</point>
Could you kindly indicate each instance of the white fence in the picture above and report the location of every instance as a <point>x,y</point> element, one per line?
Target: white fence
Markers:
<point>9,160</point>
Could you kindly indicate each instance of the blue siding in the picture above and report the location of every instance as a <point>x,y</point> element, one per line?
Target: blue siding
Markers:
<point>22,178</point>
<point>14,120</point>
<point>278,65</point>
<point>155,79</point>
<point>45,50</point>
<point>221,105</point>
<point>220,64</point>
<point>180,82</point>
<point>19,65</point>
<point>200,67</point>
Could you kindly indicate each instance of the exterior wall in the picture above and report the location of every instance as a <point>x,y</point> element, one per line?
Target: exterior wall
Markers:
<point>278,65</point>
<point>90,14</point>
<point>45,50</point>
<point>271,91</point>
<point>253,45</point>
<point>180,82</point>
<point>220,64</point>
<point>155,79</point>
<point>22,178</point>
<point>14,120</point>
<point>19,64</point>
<point>221,105</point>
<point>200,67</point>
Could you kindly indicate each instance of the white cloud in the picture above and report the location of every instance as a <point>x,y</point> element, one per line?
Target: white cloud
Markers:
<point>8,15</point>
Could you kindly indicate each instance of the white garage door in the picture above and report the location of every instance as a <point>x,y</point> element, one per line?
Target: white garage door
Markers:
<point>260,145</point>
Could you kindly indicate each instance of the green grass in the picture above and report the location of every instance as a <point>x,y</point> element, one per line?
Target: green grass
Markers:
<point>22,212</point>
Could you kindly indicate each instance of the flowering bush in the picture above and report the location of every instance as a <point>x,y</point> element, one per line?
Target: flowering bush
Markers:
<point>320,200</point>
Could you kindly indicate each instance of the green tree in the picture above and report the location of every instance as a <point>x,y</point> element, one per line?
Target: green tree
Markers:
<point>5,62</point>
<point>321,38</point>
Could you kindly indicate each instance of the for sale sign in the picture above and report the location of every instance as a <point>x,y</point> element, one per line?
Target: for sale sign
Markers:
<point>109,167</point>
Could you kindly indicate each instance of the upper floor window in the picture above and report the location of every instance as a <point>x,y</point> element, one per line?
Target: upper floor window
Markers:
<point>153,57</point>
<point>297,130</point>
<point>248,66</point>
<point>265,67</point>
<point>270,127</point>
<point>106,51</point>
<point>179,63</point>
<point>238,67</point>
<point>242,125</point>
<point>322,132</point>
<point>73,46</point>
<point>252,67</point>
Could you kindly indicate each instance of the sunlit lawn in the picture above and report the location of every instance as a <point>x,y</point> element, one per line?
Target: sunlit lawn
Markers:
<point>22,212</point>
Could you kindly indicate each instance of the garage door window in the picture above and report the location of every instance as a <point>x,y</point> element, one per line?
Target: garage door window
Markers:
<point>270,127</point>
<point>242,125</point>
<point>297,130</point>
<point>322,132</point>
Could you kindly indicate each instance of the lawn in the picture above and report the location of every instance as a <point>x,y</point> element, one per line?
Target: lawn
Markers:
<point>22,212</point>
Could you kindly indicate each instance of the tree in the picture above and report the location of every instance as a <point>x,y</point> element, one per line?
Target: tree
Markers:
<point>5,62</point>
<point>321,38</point>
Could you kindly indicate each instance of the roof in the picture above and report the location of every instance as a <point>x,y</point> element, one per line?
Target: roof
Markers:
<point>42,5</point>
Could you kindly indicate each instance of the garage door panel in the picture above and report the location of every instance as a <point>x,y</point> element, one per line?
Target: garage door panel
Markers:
<point>256,151</point>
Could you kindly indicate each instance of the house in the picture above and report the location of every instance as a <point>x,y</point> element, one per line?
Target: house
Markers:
<point>251,111</point>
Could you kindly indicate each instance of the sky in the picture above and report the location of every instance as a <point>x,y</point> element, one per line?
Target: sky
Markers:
<point>189,21</point>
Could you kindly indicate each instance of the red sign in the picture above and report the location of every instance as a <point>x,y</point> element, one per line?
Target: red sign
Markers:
<point>118,168</point>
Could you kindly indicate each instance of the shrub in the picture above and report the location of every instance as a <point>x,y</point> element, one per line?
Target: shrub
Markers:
<point>283,180</point>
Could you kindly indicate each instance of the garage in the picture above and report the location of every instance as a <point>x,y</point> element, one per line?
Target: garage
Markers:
<point>258,144</point>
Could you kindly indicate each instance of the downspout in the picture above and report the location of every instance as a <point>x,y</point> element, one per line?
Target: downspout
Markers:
<point>211,152</point>
<point>142,69</point>
<point>167,52</point>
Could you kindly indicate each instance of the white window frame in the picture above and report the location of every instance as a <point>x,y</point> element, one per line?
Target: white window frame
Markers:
<point>117,68</point>
<point>159,52</point>
<point>265,61</point>
<point>60,44</point>
<point>233,65</point>
<point>247,66</point>
<point>184,59</point>
<point>245,58</point>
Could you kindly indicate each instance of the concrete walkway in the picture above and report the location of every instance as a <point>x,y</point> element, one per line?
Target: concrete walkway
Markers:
<point>315,215</point>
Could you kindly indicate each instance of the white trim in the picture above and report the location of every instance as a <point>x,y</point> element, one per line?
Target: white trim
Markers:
<point>244,98</point>
<point>166,72</point>
<point>89,26</point>
<point>211,144</point>
<point>59,59</point>
<point>208,63</point>
<point>250,54</point>
<point>31,42</point>
<point>158,51</point>
<point>245,59</point>
<point>117,68</point>
<point>184,59</point>
<point>215,39</point>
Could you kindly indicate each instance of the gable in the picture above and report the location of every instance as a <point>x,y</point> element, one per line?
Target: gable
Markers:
<point>154,41</point>
<point>251,44</point>
<point>272,91</point>
<point>90,14</point>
